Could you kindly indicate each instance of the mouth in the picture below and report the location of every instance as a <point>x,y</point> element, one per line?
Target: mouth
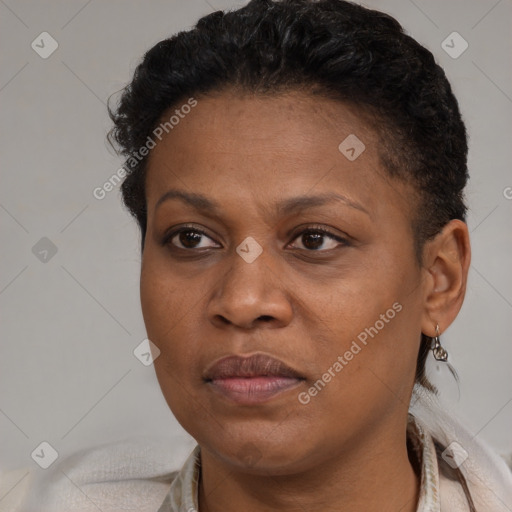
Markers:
<point>251,380</point>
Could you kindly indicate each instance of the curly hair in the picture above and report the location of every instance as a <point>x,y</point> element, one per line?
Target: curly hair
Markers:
<point>330,48</point>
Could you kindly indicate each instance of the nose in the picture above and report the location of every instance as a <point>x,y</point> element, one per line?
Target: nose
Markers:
<point>250,295</point>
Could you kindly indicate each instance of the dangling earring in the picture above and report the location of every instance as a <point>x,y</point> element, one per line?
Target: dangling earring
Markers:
<point>439,352</point>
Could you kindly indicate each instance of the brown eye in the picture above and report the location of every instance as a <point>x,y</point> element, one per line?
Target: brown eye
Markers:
<point>312,240</point>
<point>188,238</point>
<point>319,240</point>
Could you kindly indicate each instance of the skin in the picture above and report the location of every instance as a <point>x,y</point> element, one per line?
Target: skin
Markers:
<point>345,449</point>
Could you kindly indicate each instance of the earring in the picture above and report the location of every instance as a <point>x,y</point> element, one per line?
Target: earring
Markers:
<point>439,352</point>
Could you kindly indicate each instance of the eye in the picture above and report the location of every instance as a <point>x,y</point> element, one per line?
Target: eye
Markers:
<point>319,239</point>
<point>189,238</point>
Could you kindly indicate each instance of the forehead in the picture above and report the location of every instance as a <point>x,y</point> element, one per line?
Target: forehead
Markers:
<point>267,147</point>
<point>298,122</point>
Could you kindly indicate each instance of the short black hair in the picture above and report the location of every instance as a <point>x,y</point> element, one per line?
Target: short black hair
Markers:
<point>333,48</point>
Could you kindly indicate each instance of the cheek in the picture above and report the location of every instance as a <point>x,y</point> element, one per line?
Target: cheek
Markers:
<point>168,307</point>
<point>165,300</point>
<point>364,377</point>
<point>370,330</point>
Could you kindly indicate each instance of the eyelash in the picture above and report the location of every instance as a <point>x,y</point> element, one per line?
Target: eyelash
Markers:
<point>310,229</point>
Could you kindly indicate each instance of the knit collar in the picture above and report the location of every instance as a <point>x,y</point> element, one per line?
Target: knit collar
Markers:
<point>183,494</point>
<point>425,451</point>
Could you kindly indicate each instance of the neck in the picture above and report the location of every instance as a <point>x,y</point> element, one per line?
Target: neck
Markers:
<point>375,474</point>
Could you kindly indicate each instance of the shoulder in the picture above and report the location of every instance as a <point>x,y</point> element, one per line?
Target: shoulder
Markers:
<point>133,474</point>
<point>469,470</point>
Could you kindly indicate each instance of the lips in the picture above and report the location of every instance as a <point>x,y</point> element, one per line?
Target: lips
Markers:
<point>251,380</point>
<point>258,365</point>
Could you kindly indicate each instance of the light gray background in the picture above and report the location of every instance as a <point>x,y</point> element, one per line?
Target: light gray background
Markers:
<point>69,326</point>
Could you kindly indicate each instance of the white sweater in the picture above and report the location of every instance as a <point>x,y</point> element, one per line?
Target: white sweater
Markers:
<point>143,475</point>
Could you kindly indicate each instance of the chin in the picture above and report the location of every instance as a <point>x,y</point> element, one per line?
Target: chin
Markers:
<point>258,451</point>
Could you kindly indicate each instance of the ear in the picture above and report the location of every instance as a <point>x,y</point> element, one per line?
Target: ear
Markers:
<point>446,260</point>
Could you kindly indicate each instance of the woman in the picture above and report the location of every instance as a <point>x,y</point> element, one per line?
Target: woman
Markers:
<point>297,171</point>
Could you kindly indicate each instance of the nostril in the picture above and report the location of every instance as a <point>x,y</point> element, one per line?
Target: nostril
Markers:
<point>265,318</point>
<point>221,320</point>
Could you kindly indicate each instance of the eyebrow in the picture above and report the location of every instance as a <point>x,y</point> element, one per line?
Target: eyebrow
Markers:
<point>286,207</point>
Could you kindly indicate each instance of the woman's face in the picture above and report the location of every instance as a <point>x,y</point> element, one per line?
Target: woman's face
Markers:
<point>342,308</point>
